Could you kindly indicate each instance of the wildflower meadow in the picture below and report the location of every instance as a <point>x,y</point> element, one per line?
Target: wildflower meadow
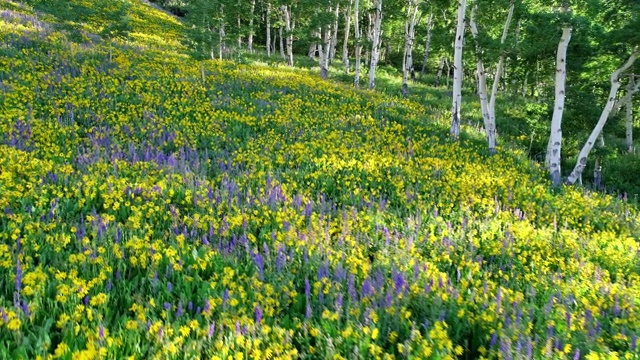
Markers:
<point>157,207</point>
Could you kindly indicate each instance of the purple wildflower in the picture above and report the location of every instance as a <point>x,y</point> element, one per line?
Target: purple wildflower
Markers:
<point>180,310</point>
<point>258,312</point>
<point>494,339</point>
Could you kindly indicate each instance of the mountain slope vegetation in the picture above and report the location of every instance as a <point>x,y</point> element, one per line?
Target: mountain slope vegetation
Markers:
<point>155,206</point>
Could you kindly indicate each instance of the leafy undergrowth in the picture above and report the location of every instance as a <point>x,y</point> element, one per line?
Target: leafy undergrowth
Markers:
<point>261,213</point>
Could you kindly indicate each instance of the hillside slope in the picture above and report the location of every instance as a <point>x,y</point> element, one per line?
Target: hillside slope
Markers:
<point>149,211</point>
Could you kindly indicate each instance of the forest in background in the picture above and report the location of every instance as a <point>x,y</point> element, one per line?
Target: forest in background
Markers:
<point>509,50</point>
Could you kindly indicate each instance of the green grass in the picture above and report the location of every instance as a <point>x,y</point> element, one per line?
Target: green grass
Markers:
<point>262,212</point>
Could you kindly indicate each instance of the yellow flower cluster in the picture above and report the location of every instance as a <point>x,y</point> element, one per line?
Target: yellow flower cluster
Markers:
<point>262,214</point>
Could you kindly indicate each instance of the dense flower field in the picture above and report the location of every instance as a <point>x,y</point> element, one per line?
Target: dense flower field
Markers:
<point>148,211</point>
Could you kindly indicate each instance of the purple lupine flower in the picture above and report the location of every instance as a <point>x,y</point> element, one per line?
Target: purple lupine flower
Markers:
<point>307,288</point>
<point>258,312</point>
<point>505,350</point>
<point>498,299</point>
<point>238,329</point>
<point>518,316</point>
<point>5,317</point>
<point>568,319</point>
<point>398,279</point>
<point>180,310</point>
<point>148,325</point>
<point>207,306</point>
<point>281,259</point>
<point>169,286</point>
<point>634,342</point>
<point>101,332</point>
<point>212,329</point>
<point>190,306</point>
<point>167,306</point>
<point>225,297</point>
<point>18,276</point>
<point>86,300</point>
<point>367,288</point>
<point>259,262</point>
<point>494,339</point>
<point>351,288</point>
<point>576,356</point>
<point>339,300</point>
<point>25,308</point>
<point>308,312</point>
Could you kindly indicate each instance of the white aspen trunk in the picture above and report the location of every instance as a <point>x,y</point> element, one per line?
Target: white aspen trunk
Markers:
<point>487,115</point>
<point>457,72</point>
<point>629,116</point>
<point>250,39</point>
<point>409,34</point>
<point>554,147</point>
<point>268,24</point>
<point>427,46</point>
<point>584,152</point>
<point>500,67</point>
<point>313,49</point>
<point>440,70</point>
<point>280,34</point>
<point>375,47</point>
<point>287,22</point>
<point>631,90</point>
<point>367,53</point>
<point>239,35</point>
<point>325,50</point>
<point>345,44</point>
<point>334,37</point>
<point>221,45</point>
<point>358,37</point>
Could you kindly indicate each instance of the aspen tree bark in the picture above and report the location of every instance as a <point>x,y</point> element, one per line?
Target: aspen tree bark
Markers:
<point>313,48</point>
<point>345,44</point>
<point>632,89</point>
<point>251,31</point>
<point>280,33</point>
<point>334,36</point>
<point>629,116</point>
<point>487,115</point>
<point>287,22</point>
<point>586,149</point>
<point>440,70</point>
<point>554,147</point>
<point>325,50</point>
<point>427,46</point>
<point>409,34</point>
<point>358,37</point>
<point>500,67</point>
<point>375,46</point>
<point>239,35</point>
<point>221,44</point>
<point>268,25</point>
<point>457,72</point>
